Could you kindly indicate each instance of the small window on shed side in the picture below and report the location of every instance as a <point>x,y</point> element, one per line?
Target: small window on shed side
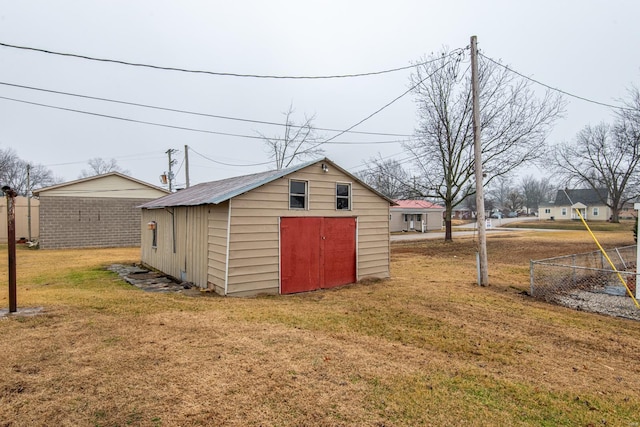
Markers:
<point>298,194</point>
<point>343,196</point>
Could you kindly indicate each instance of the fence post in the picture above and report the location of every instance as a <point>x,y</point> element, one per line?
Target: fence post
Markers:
<point>531,275</point>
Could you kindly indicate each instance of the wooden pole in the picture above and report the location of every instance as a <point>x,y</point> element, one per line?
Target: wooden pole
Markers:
<point>186,164</point>
<point>483,277</point>
<point>11,237</point>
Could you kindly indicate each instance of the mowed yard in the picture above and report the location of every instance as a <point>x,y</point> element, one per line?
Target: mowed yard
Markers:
<point>427,347</point>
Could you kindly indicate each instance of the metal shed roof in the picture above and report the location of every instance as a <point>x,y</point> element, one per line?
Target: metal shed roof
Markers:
<point>219,191</point>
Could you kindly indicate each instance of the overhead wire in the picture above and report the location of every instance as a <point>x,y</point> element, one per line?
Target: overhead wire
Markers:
<point>184,128</point>
<point>458,52</point>
<point>582,98</point>
<point>229,164</point>
<point>195,113</point>
<point>215,73</point>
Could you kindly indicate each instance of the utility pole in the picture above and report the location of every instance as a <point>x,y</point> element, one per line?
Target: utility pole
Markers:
<point>483,269</point>
<point>29,201</point>
<point>11,238</point>
<point>170,152</point>
<point>186,164</point>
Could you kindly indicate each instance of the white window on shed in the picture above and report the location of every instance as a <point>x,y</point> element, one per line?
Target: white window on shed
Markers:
<point>298,194</point>
<point>564,211</point>
<point>343,196</point>
<point>547,211</point>
<point>596,211</point>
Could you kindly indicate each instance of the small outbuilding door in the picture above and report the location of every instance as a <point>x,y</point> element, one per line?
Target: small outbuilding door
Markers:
<point>316,253</point>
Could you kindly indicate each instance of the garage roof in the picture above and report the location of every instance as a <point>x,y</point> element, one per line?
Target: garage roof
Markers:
<point>219,191</point>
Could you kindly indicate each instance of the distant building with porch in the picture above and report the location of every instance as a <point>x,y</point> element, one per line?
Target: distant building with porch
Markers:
<point>415,215</point>
<point>589,201</point>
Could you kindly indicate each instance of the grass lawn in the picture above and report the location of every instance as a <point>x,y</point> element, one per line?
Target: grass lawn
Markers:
<point>427,347</point>
<point>623,225</point>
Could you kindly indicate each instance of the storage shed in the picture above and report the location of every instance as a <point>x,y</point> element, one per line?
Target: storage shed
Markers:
<point>308,227</point>
<point>99,211</point>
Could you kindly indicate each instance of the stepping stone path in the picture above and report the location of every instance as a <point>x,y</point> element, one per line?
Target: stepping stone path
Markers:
<point>147,280</point>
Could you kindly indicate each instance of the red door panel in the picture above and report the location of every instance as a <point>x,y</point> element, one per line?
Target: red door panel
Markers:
<point>316,253</point>
<point>299,254</point>
<point>339,251</point>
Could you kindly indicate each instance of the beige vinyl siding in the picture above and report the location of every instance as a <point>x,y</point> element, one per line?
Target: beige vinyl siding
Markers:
<point>105,186</point>
<point>397,221</point>
<point>254,229</point>
<point>182,242</point>
<point>218,225</point>
<point>21,211</point>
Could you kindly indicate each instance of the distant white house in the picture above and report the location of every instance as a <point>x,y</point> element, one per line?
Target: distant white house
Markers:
<point>415,215</point>
<point>590,203</point>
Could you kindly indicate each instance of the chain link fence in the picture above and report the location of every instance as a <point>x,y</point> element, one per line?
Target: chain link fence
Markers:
<point>587,282</point>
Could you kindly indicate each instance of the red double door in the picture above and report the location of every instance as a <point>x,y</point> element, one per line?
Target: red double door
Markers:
<point>316,253</point>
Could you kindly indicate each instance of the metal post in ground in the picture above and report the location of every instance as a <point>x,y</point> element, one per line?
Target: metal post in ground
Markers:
<point>11,237</point>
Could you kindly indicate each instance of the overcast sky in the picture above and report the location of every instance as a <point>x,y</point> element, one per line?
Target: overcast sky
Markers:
<point>587,48</point>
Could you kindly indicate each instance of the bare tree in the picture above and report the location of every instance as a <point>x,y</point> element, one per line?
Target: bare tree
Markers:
<point>99,166</point>
<point>515,201</point>
<point>534,192</point>
<point>388,177</point>
<point>299,141</point>
<point>514,124</point>
<point>13,172</point>
<point>603,157</point>
<point>499,190</point>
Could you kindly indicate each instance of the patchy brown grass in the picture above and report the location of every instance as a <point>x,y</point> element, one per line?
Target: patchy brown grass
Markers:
<point>427,347</point>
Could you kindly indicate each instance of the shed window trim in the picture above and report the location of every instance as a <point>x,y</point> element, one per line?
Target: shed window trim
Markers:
<point>343,196</point>
<point>298,194</point>
<point>596,211</point>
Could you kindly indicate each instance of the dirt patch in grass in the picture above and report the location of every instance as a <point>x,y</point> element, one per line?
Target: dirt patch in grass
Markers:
<point>427,347</point>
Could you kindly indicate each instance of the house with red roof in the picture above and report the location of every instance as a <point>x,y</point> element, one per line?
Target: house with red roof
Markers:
<point>415,215</point>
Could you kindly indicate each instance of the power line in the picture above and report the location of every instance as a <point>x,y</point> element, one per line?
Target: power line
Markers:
<point>214,73</point>
<point>554,88</point>
<point>229,164</point>
<point>387,104</point>
<point>126,119</point>
<point>215,116</point>
<point>150,155</point>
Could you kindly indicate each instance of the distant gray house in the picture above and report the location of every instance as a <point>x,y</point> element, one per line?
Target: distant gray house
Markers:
<point>587,200</point>
<point>307,227</point>
<point>99,211</point>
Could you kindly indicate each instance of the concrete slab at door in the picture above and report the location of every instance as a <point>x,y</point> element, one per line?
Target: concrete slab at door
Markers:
<point>300,254</point>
